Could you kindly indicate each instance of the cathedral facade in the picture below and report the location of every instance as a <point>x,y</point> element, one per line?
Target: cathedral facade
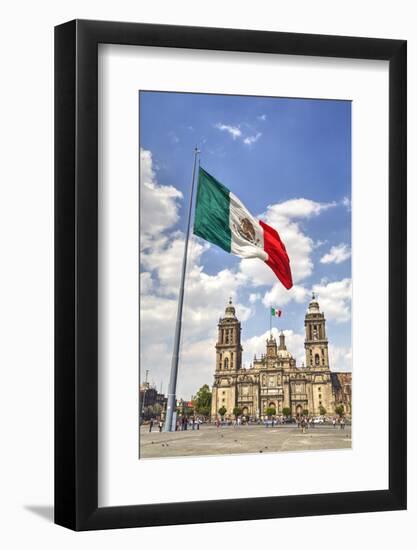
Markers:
<point>273,380</point>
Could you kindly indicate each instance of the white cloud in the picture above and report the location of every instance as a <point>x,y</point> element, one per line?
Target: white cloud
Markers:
<point>146,282</point>
<point>340,358</point>
<point>283,217</point>
<point>254,297</point>
<point>159,203</point>
<point>279,296</point>
<point>347,203</point>
<point>261,117</point>
<point>337,254</point>
<point>234,131</point>
<point>297,208</point>
<point>250,140</point>
<point>335,299</point>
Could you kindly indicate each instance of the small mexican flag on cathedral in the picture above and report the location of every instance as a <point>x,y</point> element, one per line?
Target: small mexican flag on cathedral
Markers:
<point>276,312</point>
<point>222,219</point>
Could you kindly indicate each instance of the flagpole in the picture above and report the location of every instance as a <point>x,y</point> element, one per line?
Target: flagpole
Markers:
<point>171,401</point>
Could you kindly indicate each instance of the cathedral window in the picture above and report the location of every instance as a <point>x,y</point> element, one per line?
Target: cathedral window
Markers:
<point>317,359</point>
<point>226,363</point>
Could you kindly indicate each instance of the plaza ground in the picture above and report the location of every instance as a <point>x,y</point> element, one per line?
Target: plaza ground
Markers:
<point>209,440</point>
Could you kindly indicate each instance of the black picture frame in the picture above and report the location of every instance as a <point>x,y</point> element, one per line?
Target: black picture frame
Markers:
<point>76,272</point>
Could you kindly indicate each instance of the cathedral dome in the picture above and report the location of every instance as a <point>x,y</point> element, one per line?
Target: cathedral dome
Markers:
<point>284,354</point>
<point>313,306</point>
<point>230,311</point>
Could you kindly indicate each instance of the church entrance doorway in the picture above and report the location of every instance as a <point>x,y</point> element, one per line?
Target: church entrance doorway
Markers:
<point>298,410</point>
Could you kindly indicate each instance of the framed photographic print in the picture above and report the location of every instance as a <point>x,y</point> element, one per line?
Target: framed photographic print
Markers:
<point>230,275</point>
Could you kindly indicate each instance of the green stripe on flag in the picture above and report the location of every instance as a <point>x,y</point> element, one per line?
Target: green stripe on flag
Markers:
<point>212,209</point>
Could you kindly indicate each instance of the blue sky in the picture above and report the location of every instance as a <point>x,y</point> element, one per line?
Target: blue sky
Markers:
<point>289,161</point>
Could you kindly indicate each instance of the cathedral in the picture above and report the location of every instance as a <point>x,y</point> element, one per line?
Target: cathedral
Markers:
<point>273,380</point>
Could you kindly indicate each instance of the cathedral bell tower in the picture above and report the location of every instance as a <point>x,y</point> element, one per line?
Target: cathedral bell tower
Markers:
<point>228,364</point>
<point>228,346</point>
<point>316,343</point>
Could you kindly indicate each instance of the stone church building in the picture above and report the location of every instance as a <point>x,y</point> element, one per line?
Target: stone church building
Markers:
<point>274,380</point>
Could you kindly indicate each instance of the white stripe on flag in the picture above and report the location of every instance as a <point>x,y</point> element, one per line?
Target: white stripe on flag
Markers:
<point>247,234</point>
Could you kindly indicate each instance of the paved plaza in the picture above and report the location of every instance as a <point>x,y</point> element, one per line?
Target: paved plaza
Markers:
<point>210,440</point>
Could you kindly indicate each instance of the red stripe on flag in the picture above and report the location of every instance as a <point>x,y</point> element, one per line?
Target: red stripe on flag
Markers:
<point>278,259</point>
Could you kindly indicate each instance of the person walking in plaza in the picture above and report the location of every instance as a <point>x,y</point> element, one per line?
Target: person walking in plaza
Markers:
<point>334,422</point>
<point>160,426</point>
<point>150,425</point>
<point>342,423</point>
<point>303,425</point>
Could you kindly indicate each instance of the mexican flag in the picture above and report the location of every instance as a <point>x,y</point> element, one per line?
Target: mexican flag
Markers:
<point>276,312</point>
<point>222,219</point>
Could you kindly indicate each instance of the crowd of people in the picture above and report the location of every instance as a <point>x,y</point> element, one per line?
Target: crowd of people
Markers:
<point>185,423</point>
<point>182,424</point>
<point>304,422</point>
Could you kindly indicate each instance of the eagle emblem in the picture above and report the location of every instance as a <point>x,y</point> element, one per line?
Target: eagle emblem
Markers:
<point>247,231</point>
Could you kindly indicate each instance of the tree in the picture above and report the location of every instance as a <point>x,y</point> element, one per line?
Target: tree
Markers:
<point>305,412</point>
<point>322,410</point>
<point>202,401</point>
<point>340,410</point>
<point>237,411</point>
<point>270,411</point>
<point>222,411</point>
<point>286,411</point>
